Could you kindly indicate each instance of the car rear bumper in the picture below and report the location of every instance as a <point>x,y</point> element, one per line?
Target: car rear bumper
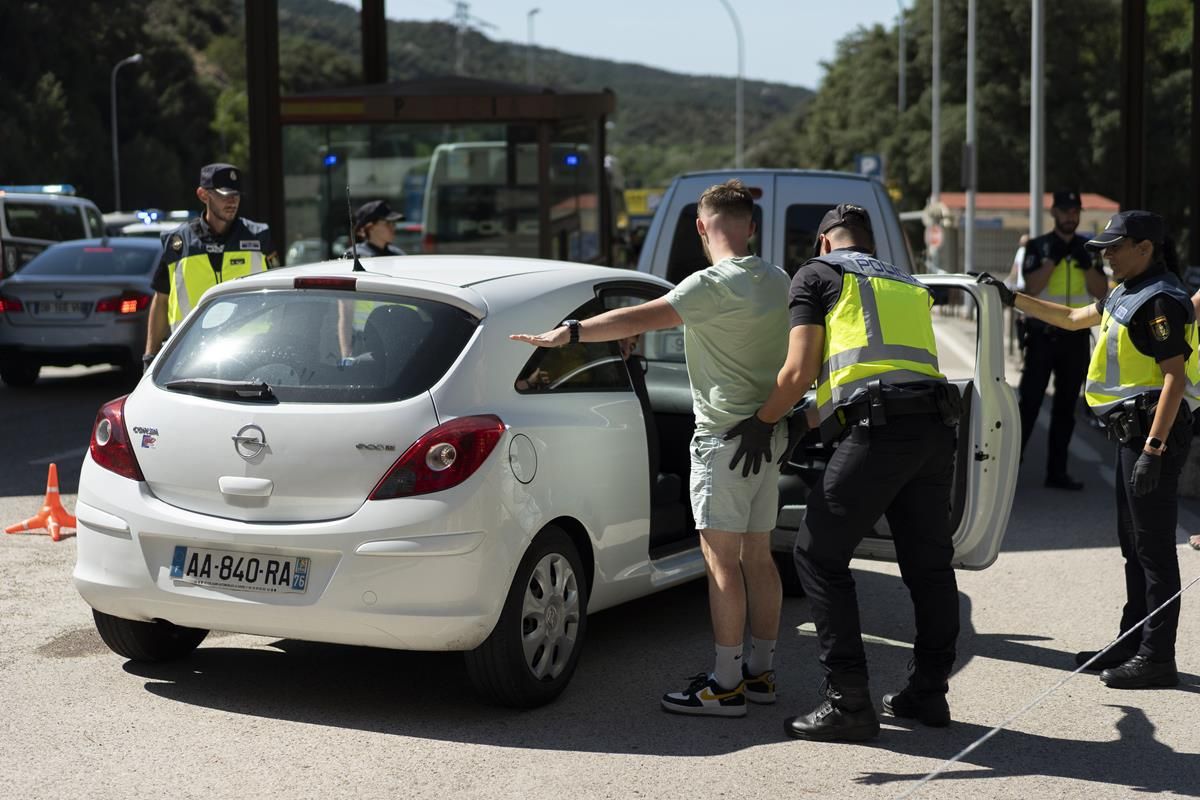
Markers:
<point>67,344</point>
<point>413,574</point>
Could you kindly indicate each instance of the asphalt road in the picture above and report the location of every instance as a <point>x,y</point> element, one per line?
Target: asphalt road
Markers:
<point>258,717</point>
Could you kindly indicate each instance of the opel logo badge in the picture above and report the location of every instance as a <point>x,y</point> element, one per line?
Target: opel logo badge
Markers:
<point>250,441</point>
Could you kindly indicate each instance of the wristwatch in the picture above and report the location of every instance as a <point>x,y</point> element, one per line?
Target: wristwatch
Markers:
<point>1156,444</point>
<point>573,327</point>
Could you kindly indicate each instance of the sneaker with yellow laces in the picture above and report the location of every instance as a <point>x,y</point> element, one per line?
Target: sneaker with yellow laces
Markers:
<point>705,697</point>
<point>759,688</point>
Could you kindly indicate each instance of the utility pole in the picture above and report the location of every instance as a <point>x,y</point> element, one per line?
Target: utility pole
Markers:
<point>1037,102</point>
<point>741,65</point>
<point>969,160</point>
<point>529,15</point>
<point>935,116</point>
<point>136,58</point>
<point>901,91</point>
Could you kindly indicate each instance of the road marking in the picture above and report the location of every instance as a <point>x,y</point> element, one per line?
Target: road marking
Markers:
<point>66,454</point>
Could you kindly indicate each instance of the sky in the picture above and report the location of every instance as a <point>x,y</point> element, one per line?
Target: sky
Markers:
<point>785,40</point>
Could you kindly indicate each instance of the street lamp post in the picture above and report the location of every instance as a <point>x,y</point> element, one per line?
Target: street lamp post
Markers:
<point>529,15</point>
<point>136,58</point>
<point>739,130</point>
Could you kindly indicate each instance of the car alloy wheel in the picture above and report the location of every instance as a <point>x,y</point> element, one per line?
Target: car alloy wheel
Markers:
<point>550,616</point>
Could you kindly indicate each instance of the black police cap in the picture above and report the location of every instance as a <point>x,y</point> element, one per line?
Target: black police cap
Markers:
<point>1067,199</point>
<point>1139,225</point>
<point>840,214</point>
<point>223,179</point>
<point>373,211</point>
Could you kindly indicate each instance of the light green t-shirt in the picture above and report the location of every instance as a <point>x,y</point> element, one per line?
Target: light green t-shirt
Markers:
<point>735,337</point>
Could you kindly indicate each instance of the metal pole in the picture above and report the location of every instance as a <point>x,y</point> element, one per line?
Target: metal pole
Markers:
<point>1194,235</point>
<point>136,58</point>
<point>738,131</point>
<point>1037,101</point>
<point>901,91</point>
<point>969,155</point>
<point>935,116</point>
<point>529,15</point>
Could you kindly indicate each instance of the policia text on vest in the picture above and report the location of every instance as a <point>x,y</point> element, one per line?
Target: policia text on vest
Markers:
<point>215,247</point>
<point>863,332</point>
<point>1143,382</point>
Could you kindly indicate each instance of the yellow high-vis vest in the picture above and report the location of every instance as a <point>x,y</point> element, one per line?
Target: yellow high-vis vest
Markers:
<point>1118,370</point>
<point>879,329</point>
<point>1067,285</point>
<point>193,275</point>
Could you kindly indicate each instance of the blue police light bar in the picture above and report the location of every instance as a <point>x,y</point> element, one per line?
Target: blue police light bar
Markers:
<point>571,160</point>
<point>41,188</point>
<point>331,159</point>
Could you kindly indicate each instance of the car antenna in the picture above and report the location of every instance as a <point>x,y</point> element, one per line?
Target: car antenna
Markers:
<point>358,267</point>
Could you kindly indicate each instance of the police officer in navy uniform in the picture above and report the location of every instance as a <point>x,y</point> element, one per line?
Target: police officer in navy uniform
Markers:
<point>863,331</point>
<point>375,230</point>
<point>1057,268</point>
<point>215,247</point>
<point>1142,384</point>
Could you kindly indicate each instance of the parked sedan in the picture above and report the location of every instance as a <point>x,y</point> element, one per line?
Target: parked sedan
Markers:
<point>77,302</point>
<point>365,458</point>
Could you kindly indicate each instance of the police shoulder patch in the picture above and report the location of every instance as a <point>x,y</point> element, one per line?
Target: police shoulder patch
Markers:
<point>176,242</point>
<point>1160,328</point>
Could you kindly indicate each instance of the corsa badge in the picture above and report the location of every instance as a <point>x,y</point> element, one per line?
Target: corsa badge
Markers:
<point>1160,328</point>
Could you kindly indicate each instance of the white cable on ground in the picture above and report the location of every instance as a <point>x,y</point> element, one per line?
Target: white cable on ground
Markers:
<point>946,764</point>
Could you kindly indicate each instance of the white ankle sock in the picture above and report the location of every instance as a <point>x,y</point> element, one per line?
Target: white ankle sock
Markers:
<point>728,670</point>
<point>762,655</point>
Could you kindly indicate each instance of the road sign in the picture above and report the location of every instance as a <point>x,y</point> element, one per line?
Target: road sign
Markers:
<point>869,164</point>
<point>933,236</point>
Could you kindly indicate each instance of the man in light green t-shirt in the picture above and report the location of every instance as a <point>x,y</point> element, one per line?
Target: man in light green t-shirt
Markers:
<point>735,322</point>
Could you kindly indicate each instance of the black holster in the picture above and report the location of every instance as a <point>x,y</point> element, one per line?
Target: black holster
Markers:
<point>1131,420</point>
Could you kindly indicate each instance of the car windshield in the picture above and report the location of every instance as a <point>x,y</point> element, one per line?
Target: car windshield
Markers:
<point>317,346</point>
<point>97,260</point>
<point>54,221</point>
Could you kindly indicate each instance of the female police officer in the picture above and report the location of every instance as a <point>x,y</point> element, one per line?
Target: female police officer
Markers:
<point>1141,382</point>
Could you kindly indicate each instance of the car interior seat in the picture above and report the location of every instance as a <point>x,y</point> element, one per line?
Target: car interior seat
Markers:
<point>391,335</point>
<point>668,514</point>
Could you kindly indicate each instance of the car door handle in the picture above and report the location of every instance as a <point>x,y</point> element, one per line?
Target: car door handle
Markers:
<point>245,487</point>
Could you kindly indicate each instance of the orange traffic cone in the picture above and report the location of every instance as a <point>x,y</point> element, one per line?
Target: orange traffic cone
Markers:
<point>53,517</point>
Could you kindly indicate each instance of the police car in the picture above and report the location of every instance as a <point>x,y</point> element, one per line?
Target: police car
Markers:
<point>34,217</point>
<point>365,458</point>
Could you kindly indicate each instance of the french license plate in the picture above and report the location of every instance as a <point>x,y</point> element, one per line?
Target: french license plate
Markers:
<point>58,307</point>
<point>251,572</point>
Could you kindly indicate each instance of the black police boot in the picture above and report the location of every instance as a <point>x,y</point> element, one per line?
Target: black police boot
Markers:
<point>1063,481</point>
<point>923,699</point>
<point>846,715</point>
<point>1113,658</point>
<point>1140,672</point>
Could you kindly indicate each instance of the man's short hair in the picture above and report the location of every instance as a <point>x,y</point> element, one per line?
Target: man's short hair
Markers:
<point>731,197</point>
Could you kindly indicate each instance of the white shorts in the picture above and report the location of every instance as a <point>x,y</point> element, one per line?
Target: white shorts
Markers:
<point>722,499</point>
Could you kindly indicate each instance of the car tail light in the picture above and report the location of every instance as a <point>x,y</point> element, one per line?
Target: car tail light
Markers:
<point>10,305</point>
<point>110,446</point>
<point>442,458</point>
<point>325,283</point>
<point>127,303</point>
<point>428,243</point>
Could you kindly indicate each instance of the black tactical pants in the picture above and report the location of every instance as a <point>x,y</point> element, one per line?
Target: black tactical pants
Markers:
<point>1064,353</point>
<point>1146,530</point>
<point>902,469</point>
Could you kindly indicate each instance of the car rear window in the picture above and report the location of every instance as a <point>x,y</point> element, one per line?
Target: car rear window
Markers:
<point>320,346</point>
<point>53,221</point>
<point>95,260</point>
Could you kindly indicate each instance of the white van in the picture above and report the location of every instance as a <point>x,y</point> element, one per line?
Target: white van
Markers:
<point>31,221</point>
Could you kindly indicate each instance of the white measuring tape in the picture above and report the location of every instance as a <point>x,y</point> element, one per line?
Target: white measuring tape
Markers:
<point>973,745</point>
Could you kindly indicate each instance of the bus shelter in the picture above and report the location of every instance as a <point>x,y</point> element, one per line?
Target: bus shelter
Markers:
<point>475,166</point>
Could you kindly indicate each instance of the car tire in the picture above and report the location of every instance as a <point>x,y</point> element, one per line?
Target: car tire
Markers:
<point>788,576</point>
<point>528,661</point>
<point>147,641</point>
<point>19,375</point>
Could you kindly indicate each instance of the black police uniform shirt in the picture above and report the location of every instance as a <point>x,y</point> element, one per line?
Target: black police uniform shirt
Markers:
<point>195,236</point>
<point>1054,248</point>
<point>815,290</point>
<point>1156,330</point>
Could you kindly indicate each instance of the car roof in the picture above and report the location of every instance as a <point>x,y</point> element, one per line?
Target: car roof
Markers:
<point>49,199</point>
<point>478,282</point>
<point>815,173</point>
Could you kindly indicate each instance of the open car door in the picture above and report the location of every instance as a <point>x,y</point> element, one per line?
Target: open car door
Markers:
<point>969,324</point>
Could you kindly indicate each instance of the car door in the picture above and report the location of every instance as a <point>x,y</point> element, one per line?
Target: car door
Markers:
<point>968,327</point>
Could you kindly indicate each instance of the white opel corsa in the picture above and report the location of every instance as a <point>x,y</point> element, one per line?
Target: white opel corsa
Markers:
<point>365,458</point>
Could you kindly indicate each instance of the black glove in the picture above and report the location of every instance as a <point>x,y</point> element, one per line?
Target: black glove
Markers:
<point>754,446</point>
<point>147,360</point>
<point>797,423</point>
<point>1144,478</point>
<point>1007,296</point>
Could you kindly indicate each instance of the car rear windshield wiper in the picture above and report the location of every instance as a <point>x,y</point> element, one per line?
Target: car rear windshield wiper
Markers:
<point>255,391</point>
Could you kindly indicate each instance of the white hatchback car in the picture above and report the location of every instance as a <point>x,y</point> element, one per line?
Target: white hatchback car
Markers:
<point>365,458</point>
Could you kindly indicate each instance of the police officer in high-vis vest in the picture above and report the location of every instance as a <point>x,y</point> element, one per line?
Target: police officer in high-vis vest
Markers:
<point>215,247</point>
<point>863,332</point>
<point>1057,268</point>
<point>1142,384</point>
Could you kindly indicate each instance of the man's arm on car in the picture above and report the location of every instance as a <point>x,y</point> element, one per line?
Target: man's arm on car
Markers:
<point>619,323</point>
